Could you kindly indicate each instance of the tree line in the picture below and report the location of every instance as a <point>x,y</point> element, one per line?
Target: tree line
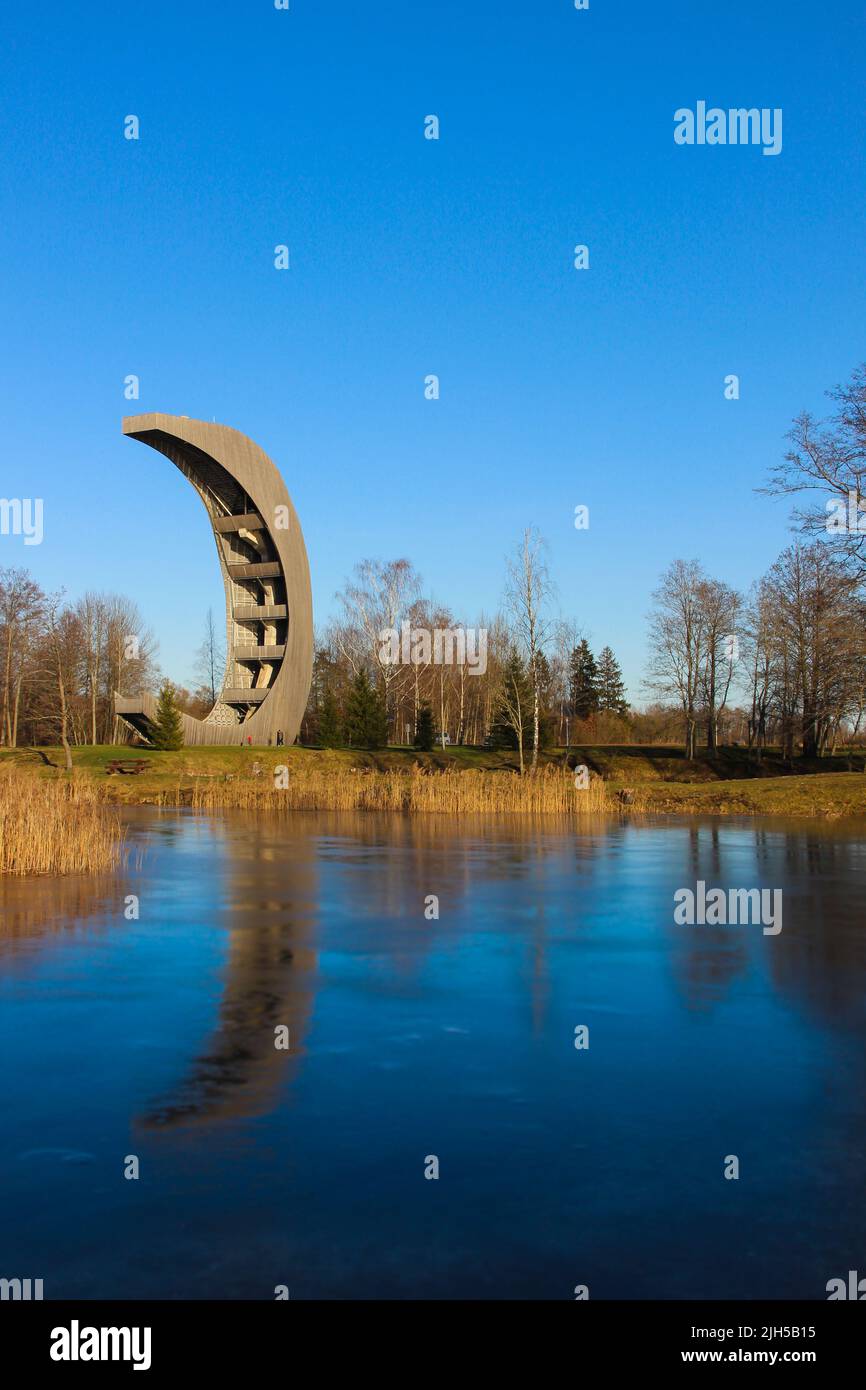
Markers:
<point>539,683</point>
<point>62,662</point>
<point>783,664</point>
<point>793,649</point>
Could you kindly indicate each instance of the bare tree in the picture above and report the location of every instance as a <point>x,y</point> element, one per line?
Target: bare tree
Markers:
<point>62,645</point>
<point>528,588</point>
<point>129,664</point>
<point>758,651</point>
<point>210,659</point>
<point>829,457</point>
<point>92,615</point>
<point>566,635</point>
<point>22,608</point>
<point>376,600</point>
<point>677,639</point>
<point>817,640</point>
<point>720,606</point>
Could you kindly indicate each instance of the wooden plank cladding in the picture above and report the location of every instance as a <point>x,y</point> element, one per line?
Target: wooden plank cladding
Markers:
<point>252,653</point>
<point>249,696</point>
<point>240,487</point>
<point>258,612</point>
<point>250,522</point>
<point>254,569</point>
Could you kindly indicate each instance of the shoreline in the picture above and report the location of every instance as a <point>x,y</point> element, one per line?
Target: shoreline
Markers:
<point>622,780</point>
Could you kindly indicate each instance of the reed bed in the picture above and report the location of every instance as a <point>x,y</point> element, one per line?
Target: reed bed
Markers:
<point>55,825</point>
<point>550,791</point>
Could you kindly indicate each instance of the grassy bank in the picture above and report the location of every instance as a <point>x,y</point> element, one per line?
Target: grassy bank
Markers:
<point>50,825</point>
<point>465,780</point>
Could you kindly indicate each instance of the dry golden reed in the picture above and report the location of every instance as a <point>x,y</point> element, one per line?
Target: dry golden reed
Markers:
<point>548,792</point>
<point>56,825</point>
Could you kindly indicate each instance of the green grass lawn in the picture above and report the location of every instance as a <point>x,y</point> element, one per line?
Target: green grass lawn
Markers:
<point>621,764</point>
<point>728,783</point>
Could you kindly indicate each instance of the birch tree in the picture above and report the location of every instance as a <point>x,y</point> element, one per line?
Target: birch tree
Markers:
<point>528,588</point>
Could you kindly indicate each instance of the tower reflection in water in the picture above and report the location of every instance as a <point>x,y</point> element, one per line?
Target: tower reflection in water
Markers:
<point>276,874</point>
<point>268,982</point>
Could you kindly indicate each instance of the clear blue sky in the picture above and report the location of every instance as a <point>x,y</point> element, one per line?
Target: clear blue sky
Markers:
<point>412,257</point>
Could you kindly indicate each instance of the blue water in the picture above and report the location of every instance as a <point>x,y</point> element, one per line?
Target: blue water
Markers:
<point>452,1037</point>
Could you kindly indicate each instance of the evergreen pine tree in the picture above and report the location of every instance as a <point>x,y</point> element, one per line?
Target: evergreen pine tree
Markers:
<point>366,720</point>
<point>167,730</point>
<point>583,681</point>
<point>377,727</point>
<point>425,729</point>
<point>357,710</point>
<point>330,730</point>
<point>611,690</point>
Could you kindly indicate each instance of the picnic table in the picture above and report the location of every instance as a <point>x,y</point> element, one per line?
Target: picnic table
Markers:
<point>131,766</point>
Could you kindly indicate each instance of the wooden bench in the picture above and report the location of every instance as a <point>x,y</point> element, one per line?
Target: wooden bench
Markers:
<point>131,766</point>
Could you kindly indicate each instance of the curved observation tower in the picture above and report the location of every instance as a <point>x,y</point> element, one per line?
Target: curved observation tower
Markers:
<point>269,610</point>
